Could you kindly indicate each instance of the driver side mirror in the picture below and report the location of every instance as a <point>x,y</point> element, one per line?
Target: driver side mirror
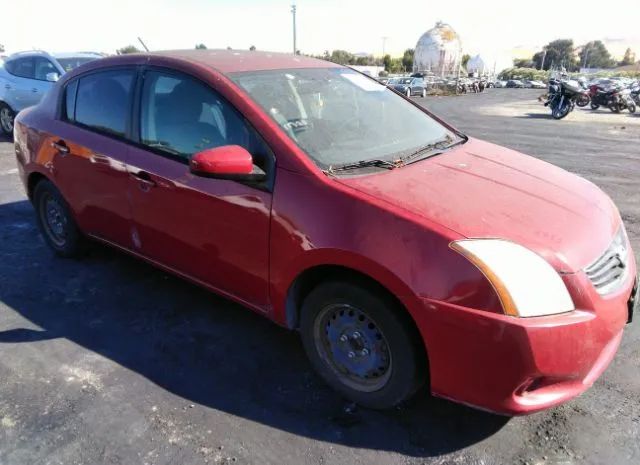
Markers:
<point>227,162</point>
<point>52,77</point>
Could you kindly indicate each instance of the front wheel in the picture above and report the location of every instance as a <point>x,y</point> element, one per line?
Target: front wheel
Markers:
<point>614,107</point>
<point>6,119</point>
<point>409,92</point>
<point>594,106</point>
<point>560,112</point>
<point>424,93</point>
<point>583,100</point>
<point>631,106</point>
<point>361,344</point>
<point>56,222</point>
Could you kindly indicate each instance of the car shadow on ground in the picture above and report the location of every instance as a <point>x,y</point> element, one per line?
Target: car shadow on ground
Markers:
<point>203,348</point>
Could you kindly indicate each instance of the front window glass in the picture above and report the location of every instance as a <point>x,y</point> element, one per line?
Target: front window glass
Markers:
<point>44,67</point>
<point>337,116</point>
<point>181,116</point>
<point>73,62</point>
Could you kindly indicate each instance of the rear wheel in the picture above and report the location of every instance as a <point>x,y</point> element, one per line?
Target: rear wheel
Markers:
<point>6,119</point>
<point>56,222</point>
<point>361,345</point>
<point>614,107</point>
<point>594,106</point>
<point>631,106</point>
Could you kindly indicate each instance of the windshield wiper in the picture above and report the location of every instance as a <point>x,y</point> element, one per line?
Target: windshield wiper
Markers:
<point>440,145</point>
<point>376,162</point>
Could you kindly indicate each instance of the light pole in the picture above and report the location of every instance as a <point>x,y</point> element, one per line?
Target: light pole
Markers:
<point>293,13</point>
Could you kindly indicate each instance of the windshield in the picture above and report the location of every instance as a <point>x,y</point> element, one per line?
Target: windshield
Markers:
<point>339,116</point>
<point>404,81</point>
<point>73,62</point>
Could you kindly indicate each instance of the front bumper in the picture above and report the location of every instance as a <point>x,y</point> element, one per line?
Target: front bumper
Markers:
<point>516,366</point>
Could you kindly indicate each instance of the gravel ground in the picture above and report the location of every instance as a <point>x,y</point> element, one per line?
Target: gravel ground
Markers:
<point>107,360</point>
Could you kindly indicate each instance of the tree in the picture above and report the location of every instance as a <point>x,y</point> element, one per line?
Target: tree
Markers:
<point>386,62</point>
<point>127,49</point>
<point>407,59</point>
<point>342,57</point>
<point>252,48</point>
<point>465,59</point>
<point>523,63</point>
<point>595,55</point>
<point>628,59</point>
<point>557,53</point>
<point>201,47</point>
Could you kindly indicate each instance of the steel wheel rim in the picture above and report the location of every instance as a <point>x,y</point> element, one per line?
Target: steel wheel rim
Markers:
<point>5,119</point>
<point>353,347</point>
<point>54,219</point>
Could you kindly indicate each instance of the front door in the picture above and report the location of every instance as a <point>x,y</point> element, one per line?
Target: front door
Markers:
<point>215,231</point>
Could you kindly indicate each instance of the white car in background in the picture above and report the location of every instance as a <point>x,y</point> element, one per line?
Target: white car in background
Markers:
<point>26,76</point>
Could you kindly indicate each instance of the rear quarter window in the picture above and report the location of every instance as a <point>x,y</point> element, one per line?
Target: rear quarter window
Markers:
<point>103,101</point>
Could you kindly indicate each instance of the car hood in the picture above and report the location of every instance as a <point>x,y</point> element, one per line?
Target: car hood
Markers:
<point>480,190</point>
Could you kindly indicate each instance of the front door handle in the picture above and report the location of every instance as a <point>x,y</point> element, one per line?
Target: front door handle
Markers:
<point>34,90</point>
<point>144,180</point>
<point>7,86</point>
<point>61,147</point>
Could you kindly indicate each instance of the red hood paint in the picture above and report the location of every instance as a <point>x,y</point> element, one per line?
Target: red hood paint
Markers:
<point>480,189</point>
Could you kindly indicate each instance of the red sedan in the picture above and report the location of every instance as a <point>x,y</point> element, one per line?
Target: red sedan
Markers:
<point>404,252</point>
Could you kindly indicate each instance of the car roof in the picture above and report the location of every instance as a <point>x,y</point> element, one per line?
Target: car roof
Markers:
<point>29,53</point>
<point>231,61</point>
<point>77,55</point>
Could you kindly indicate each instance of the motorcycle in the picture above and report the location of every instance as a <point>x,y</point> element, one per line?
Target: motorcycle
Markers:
<point>562,97</point>
<point>601,97</point>
<point>635,93</point>
<point>622,100</point>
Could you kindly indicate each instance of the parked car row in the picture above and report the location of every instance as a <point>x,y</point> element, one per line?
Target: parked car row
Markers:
<point>25,77</point>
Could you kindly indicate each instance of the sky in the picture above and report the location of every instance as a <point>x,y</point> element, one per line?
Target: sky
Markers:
<point>353,25</point>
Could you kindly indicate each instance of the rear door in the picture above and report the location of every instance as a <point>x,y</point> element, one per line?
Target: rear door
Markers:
<point>21,89</point>
<point>215,231</point>
<point>91,152</point>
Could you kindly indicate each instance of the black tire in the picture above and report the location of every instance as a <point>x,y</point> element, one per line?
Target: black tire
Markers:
<point>614,107</point>
<point>65,240</point>
<point>7,116</point>
<point>408,93</point>
<point>424,93</point>
<point>594,106</point>
<point>559,113</point>
<point>631,106</point>
<point>583,100</point>
<point>395,337</point>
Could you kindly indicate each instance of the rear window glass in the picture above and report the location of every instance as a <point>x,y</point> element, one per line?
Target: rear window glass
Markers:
<point>21,67</point>
<point>102,101</point>
<point>70,100</point>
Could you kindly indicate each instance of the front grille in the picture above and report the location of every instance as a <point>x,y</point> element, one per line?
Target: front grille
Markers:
<point>608,272</point>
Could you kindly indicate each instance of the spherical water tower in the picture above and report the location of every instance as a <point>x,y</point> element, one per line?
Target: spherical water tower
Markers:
<point>438,50</point>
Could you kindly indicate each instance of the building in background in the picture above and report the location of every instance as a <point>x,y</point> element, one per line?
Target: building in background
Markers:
<point>438,51</point>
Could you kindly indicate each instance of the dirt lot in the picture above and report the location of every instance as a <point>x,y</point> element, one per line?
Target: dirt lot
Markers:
<point>108,360</point>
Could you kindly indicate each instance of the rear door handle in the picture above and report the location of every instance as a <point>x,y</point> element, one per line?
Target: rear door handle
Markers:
<point>34,90</point>
<point>144,180</point>
<point>61,147</point>
<point>7,86</point>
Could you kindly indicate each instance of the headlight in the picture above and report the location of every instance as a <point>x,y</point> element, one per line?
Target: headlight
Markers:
<point>524,281</point>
